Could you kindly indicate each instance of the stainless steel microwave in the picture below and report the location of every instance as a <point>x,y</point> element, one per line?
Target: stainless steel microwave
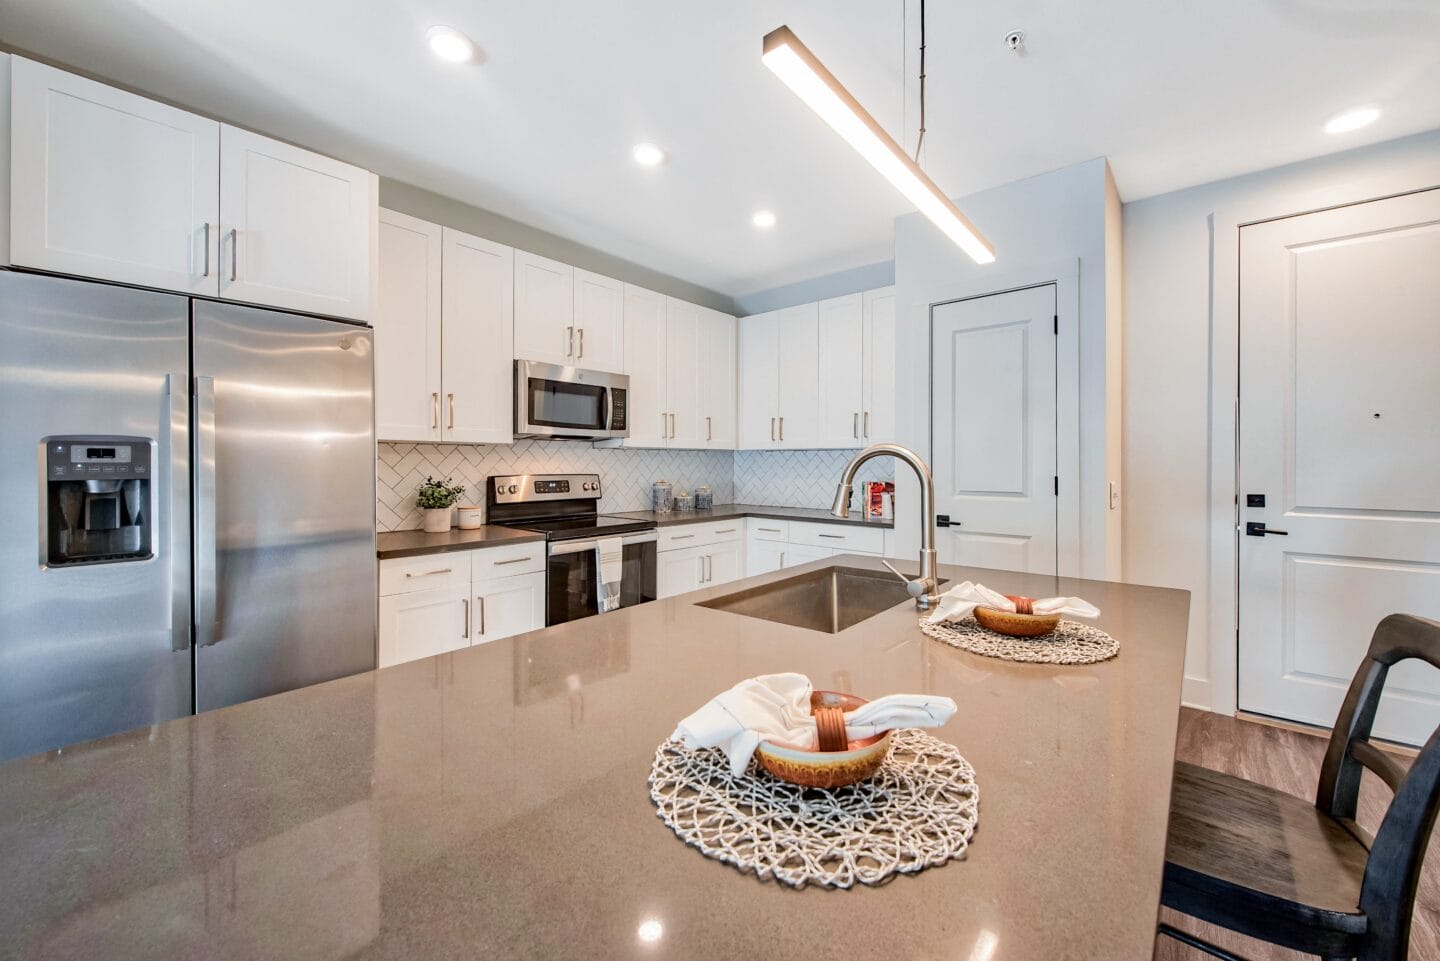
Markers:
<point>552,401</point>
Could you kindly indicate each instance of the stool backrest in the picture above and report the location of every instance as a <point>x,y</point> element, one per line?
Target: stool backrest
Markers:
<point>1397,851</point>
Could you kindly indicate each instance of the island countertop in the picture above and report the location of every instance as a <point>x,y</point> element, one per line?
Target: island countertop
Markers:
<point>492,803</point>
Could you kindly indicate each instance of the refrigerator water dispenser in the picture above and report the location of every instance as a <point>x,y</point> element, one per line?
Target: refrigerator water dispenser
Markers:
<point>97,506</point>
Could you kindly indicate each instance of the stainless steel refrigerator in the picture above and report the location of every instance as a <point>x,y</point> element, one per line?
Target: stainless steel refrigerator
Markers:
<point>187,506</point>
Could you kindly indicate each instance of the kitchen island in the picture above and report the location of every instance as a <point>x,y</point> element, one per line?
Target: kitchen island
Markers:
<point>492,803</point>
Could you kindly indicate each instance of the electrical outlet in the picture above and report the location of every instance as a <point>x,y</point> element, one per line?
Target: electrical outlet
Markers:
<point>1114,496</point>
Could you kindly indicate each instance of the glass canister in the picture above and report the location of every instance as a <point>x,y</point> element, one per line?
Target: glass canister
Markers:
<point>684,503</point>
<point>704,499</point>
<point>661,499</point>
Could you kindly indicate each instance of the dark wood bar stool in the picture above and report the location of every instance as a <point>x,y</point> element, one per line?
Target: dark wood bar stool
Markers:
<point>1307,877</point>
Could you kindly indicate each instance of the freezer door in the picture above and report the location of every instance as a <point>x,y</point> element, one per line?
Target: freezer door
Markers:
<point>91,649</point>
<point>285,590</point>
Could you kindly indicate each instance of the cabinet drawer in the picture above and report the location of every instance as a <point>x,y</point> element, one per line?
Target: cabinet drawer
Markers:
<point>762,529</point>
<point>404,575</point>
<point>839,537</point>
<point>508,561</point>
<point>700,535</point>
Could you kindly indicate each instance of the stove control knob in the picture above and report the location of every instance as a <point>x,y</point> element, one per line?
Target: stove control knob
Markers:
<point>513,488</point>
<point>586,485</point>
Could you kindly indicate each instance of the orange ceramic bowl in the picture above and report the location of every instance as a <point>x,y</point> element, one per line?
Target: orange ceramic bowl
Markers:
<point>826,769</point>
<point>1016,625</point>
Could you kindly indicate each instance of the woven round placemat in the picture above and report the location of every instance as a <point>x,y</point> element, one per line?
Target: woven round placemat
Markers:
<point>1070,643</point>
<point>919,810</point>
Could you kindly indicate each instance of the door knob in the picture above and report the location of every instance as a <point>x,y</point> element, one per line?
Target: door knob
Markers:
<point>1254,529</point>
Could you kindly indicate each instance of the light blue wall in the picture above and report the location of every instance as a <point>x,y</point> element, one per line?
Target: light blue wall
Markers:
<point>818,288</point>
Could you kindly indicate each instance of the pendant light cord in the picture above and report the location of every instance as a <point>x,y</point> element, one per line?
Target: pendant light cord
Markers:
<point>920,141</point>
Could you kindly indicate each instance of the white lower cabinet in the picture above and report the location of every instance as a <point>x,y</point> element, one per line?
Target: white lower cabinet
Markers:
<point>507,606</point>
<point>693,556</point>
<point>775,545</point>
<point>442,602</point>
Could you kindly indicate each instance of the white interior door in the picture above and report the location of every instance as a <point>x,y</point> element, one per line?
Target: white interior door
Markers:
<point>1339,334</point>
<point>993,429</point>
<point>407,330</point>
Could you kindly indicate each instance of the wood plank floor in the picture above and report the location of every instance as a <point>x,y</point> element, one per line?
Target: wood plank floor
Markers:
<point>1288,761</point>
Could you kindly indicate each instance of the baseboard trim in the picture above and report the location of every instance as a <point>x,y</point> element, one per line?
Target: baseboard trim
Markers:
<point>1195,692</point>
<point>1404,750</point>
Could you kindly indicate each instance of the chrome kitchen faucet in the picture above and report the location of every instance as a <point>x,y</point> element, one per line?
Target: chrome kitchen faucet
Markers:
<point>925,589</point>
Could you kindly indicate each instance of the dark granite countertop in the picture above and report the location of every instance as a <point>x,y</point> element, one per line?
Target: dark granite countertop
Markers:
<point>492,803</point>
<point>412,543</point>
<point>726,511</point>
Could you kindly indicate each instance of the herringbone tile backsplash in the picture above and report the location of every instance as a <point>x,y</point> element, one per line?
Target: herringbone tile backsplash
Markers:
<point>784,478</point>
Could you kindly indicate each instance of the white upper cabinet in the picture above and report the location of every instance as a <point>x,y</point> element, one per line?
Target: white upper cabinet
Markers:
<point>799,348</point>
<point>599,323</point>
<point>717,379</point>
<point>877,418</point>
<point>682,364</point>
<point>407,330</point>
<point>840,378</point>
<point>110,185</point>
<point>4,159</point>
<point>295,227</point>
<point>479,303</point>
<point>645,363</point>
<point>759,338</point>
<point>544,310</point>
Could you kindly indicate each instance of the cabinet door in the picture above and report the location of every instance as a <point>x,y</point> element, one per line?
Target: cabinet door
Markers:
<point>422,623</point>
<point>479,297</point>
<point>759,381</point>
<point>717,379</point>
<point>544,310</point>
<point>799,361</point>
<point>796,554</point>
<point>507,606</point>
<point>679,572</point>
<point>764,557</point>
<point>645,363</point>
<point>110,185</point>
<point>840,374</point>
<point>295,227</point>
<point>682,373</point>
<point>599,322</point>
<point>407,330</point>
<point>877,422</point>
<point>724,564</point>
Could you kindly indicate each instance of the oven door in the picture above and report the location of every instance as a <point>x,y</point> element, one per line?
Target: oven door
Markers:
<point>555,401</point>
<point>572,587</point>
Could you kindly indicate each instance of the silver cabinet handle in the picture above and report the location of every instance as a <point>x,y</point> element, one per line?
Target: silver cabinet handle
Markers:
<point>769,530</point>
<point>834,537</point>
<point>700,564</point>
<point>482,615</point>
<point>206,613</point>
<point>709,430</point>
<point>682,537</point>
<point>513,560</point>
<point>466,634</point>
<point>709,568</point>
<point>234,253</point>
<point>450,398</point>
<point>867,423</point>
<point>855,427</point>
<point>435,411</point>
<point>672,426</point>
<point>663,431</point>
<point>782,558</point>
<point>782,430</point>
<point>569,341</point>
<point>207,251</point>
<point>728,530</point>
<point>772,430</point>
<point>178,453</point>
<point>439,570</point>
<point>582,341</point>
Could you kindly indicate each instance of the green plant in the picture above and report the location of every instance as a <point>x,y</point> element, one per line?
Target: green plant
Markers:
<point>437,495</point>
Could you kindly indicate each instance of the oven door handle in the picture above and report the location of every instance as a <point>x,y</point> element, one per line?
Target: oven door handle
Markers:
<point>590,543</point>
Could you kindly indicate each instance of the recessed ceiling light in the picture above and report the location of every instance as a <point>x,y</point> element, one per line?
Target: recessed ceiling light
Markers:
<point>648,154</point>
<point>450,44</point>
<point>763,219</point>
<point>1352,120</point>
<point>650,930</point>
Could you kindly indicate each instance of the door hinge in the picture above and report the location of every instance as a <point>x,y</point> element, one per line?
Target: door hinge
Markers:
<point>1057,325</point>
<point>1057,485</point>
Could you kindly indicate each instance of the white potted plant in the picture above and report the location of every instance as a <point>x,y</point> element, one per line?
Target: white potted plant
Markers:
<point>435,499</point>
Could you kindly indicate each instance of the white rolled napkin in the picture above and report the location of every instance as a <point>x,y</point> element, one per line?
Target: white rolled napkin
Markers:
<point>962,599</point>
<point>776,707</point>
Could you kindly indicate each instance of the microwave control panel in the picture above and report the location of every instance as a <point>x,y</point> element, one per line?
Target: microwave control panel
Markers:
<point>619,396</point>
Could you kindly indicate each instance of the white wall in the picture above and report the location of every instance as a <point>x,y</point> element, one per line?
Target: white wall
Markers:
<point>1171,442</point>
<point>1034,225</point>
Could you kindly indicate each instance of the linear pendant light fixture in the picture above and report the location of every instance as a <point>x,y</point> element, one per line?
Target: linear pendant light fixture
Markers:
<point>803,73</point>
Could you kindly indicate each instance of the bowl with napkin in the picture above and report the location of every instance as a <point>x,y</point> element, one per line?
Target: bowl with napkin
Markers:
<point>1009,614</point>
<point>823,739</point>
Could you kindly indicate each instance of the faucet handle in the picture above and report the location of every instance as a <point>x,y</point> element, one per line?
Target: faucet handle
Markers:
<point>914,586</point>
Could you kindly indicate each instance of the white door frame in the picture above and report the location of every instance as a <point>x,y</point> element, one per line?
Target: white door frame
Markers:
<point>1223,612</point>
<point>1065,276</point>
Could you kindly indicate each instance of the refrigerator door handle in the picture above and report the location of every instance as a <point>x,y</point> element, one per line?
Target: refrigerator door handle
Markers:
<point>175,387</point>
<point>206,613</point>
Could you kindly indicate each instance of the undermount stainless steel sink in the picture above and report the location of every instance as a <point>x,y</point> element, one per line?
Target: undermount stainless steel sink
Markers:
<point>829,600</point>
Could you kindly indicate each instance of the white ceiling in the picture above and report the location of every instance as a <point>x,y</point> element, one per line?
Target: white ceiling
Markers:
<point>1174,92</point>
